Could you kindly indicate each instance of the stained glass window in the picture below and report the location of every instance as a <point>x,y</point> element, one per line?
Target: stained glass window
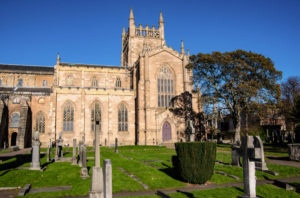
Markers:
<point>95,116</point>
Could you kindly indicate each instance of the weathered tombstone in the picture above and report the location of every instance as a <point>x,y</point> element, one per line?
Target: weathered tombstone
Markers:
<point>235,154</point>
<point>35,164</point>
<point>97,176</point>
<point>294,151</point>
<point>74,159</point>
<point>116,145</point>
<point>49,152</point>
<point>80,154</point>
<point>107,178</point>
<point>83,170</point>
<point>248,153</point>
<point>4,145</point>
<point>260,162</point>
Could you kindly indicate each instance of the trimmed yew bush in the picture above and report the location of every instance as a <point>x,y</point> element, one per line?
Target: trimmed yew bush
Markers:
<point>195,161</point>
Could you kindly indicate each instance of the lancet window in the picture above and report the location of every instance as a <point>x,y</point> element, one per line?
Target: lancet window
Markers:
<point>122,118</point>
<point>68,117</point>
<point>40,122</point>
<point>95,116</point>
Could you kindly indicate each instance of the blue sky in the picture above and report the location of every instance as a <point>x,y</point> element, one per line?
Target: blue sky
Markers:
<point>32,32</point>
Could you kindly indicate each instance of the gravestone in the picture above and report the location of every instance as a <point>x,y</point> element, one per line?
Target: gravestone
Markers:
<point>83,170</point>
<point>74,158</point>
<point>116,145</point>
<point>249,156</point>
<point>80,153</point>
<point>260,162</point>
<point>49,152</point>
<point>97,175</point>
<point>107,178</point>
<point>294,151</point>
<point>35,164</point>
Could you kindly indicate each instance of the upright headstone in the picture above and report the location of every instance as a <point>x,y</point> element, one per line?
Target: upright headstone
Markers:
<point>260,162</point>
<point>80,154</point>
<point>249,166</point>
<point>74,158</point>
<point>116,145</point>
<point>97,176</point>
<point>60,147</point>
<point>83,170</point>
<point>35,164</point>
<point>107,179</point>
<point>49,152</point>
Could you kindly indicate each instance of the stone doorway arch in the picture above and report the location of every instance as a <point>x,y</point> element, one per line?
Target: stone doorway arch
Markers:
<point>166,132</point>
<point>13,139</point>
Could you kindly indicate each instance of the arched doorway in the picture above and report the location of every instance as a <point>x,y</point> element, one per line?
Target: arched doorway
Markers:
<point>13,140</point>
<point>166,132</point>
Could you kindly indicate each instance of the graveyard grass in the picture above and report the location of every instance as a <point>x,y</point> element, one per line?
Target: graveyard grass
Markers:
<point>150,164</point>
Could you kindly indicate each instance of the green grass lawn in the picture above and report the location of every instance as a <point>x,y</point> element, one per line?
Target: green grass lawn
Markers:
<point>150,164</point>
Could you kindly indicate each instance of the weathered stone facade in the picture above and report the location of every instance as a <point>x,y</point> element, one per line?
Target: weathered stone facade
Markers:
<point>130,100</point>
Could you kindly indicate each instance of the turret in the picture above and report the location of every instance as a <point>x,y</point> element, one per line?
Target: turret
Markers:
<point>131,24</point>
<point>161,26</point>
<point>182,48</point>
<point>58,59</point>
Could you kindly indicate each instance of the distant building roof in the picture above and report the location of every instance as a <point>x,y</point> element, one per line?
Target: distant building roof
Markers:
<point>7,68</point>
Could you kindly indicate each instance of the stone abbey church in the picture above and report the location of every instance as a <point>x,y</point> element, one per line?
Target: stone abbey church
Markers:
<point>129,102</point>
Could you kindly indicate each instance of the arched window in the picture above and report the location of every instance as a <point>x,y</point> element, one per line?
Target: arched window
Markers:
<point>165,87</point>
<point>95,116</point>
<point>68,117</point>
<point>118,82</point>
<point>15,118</point>
<point>94,82</point>
<point>122,118</point>
<point>40,122</point>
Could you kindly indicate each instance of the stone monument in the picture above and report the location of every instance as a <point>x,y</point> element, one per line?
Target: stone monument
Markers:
<point>35,164</point>
<point>249,157</point>
<point>97,175</point>
<point>74,158</point>
<point>83,171</point>
<point>107,179</point>
<point>116,145</point>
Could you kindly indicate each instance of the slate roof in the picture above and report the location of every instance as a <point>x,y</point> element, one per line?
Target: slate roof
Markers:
<point>26,69</point>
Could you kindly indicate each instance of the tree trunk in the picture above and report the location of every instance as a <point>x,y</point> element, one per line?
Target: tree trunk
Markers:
<point>237,135</point>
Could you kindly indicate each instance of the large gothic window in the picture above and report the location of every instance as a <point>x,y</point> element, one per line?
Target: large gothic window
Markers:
<point>40,122</point>
<point>165,87</point>
<point>95,116</point>
<point>68,117</point>
<point>15,118</point>
<point>122,118</point>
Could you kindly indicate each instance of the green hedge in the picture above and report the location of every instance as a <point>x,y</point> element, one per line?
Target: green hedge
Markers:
<point>195,161</point>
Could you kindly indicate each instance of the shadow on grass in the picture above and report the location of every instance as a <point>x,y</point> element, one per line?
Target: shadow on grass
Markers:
<point>19,161</point>
<point>170,171</point>
<point>188,194</point>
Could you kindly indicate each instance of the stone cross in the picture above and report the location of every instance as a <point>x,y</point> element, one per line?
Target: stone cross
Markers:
<point>249,155</point>
<point>97,175</point>
<point>35,164</point>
